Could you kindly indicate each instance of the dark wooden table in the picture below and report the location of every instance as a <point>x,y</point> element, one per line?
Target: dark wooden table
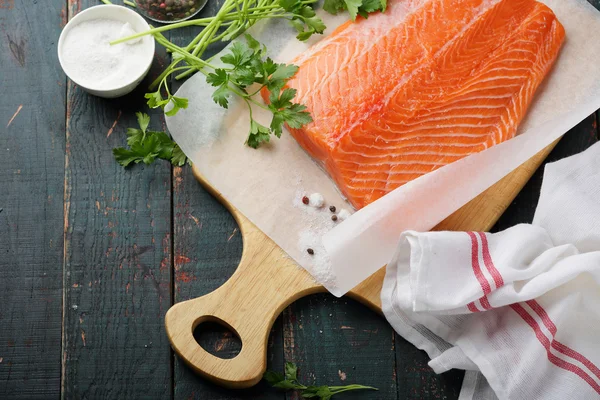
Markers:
<point>92,255</point>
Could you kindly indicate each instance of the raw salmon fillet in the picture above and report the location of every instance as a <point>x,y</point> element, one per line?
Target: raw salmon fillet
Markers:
<point>428,82</point>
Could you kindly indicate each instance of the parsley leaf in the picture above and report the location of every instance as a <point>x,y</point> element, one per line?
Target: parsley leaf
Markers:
<point>155,99</point>
<point>333,6</point>
<point>146,146</point>
<point>219,96</point>
<point>296,116</point>
<point>290,382</point>
<point>135,135</point>
<point>321,392</point>
<point>125,156</point>
<point>352,7</point>
<point>143,121</point>
<point>178,158</point>
<point>249,67</point>
<point>284,111</point>
<point>178,104</point>
<point>145,151</point>
<point>303,18</point>
<point>240,54</point>
<point>217,78</point>
<point>252,43</point>
<point>355,7</point>
<point>259,134</point>
<point>291,371</point>
<point>273,377</point>
<point>277,124</point>
<point>280,76</point>
<point>282,100</point>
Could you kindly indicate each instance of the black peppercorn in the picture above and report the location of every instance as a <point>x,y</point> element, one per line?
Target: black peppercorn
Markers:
<point>334,217</point>
<point>310,251</point>
<point>332,208</point>
<point>168,10</point>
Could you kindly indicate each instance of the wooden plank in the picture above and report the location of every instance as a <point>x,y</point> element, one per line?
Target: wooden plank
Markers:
<point>417,381</point>
<point>207,249</point>
<point>32,147</point>
<point>118,254</point>
<point>338,342</point>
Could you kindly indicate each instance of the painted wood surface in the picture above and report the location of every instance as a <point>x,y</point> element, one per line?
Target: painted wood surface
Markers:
<point>32,151</point>
<point>118,246</point>
<point>178,244</point>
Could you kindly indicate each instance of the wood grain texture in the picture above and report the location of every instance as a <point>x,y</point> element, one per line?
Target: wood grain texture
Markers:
<point>265,281</point>
<point>207,232</point>
<point>32,148</point>
<point>118,254</point>
<point>417,381</point>
<point>340,341</point>
<point>207,249</point>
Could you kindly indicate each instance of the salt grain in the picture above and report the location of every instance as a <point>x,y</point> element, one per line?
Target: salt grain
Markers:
<point>343,214</point>
<point>316,221</point>
<point>316,200</point>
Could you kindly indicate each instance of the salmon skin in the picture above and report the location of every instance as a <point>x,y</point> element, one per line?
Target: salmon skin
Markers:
<point>426,83</point>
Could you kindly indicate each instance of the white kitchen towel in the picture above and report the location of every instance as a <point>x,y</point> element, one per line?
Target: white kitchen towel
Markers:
<point>519,309</point>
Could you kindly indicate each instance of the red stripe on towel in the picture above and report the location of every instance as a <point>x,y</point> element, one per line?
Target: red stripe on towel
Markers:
<point>546,343</point>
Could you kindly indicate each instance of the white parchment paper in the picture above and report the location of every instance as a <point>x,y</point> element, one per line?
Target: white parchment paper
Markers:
<point>267,184</point>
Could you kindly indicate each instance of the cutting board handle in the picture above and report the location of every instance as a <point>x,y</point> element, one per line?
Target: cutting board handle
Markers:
<point>265,282</point>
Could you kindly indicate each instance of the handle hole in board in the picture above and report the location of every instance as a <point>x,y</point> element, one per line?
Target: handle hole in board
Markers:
<point>218,339</point>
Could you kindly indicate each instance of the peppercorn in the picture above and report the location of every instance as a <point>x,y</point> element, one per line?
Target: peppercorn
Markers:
<point>305,200</point>
<point>332,208</point>
<point>169,10</point>
<point>334,217</point>
<point>310,251</point>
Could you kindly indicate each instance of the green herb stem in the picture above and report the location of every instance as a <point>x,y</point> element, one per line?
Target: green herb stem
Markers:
<point>340,389</point>
<point>247,64</point>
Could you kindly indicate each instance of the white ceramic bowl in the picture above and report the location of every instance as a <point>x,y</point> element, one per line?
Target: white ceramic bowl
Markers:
<point>118,13</point>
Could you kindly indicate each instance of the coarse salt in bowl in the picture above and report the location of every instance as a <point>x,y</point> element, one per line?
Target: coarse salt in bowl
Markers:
<point>92,63</point>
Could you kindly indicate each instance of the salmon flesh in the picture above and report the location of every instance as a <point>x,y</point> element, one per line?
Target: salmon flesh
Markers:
<point>426,83</point>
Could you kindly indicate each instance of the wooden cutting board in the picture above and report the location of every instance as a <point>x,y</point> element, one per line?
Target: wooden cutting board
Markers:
<point>267,280</point>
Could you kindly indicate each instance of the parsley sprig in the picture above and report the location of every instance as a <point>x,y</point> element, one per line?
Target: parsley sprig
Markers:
<point>289,381</point>
<point>146,146</point>
<point>248,67</point>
